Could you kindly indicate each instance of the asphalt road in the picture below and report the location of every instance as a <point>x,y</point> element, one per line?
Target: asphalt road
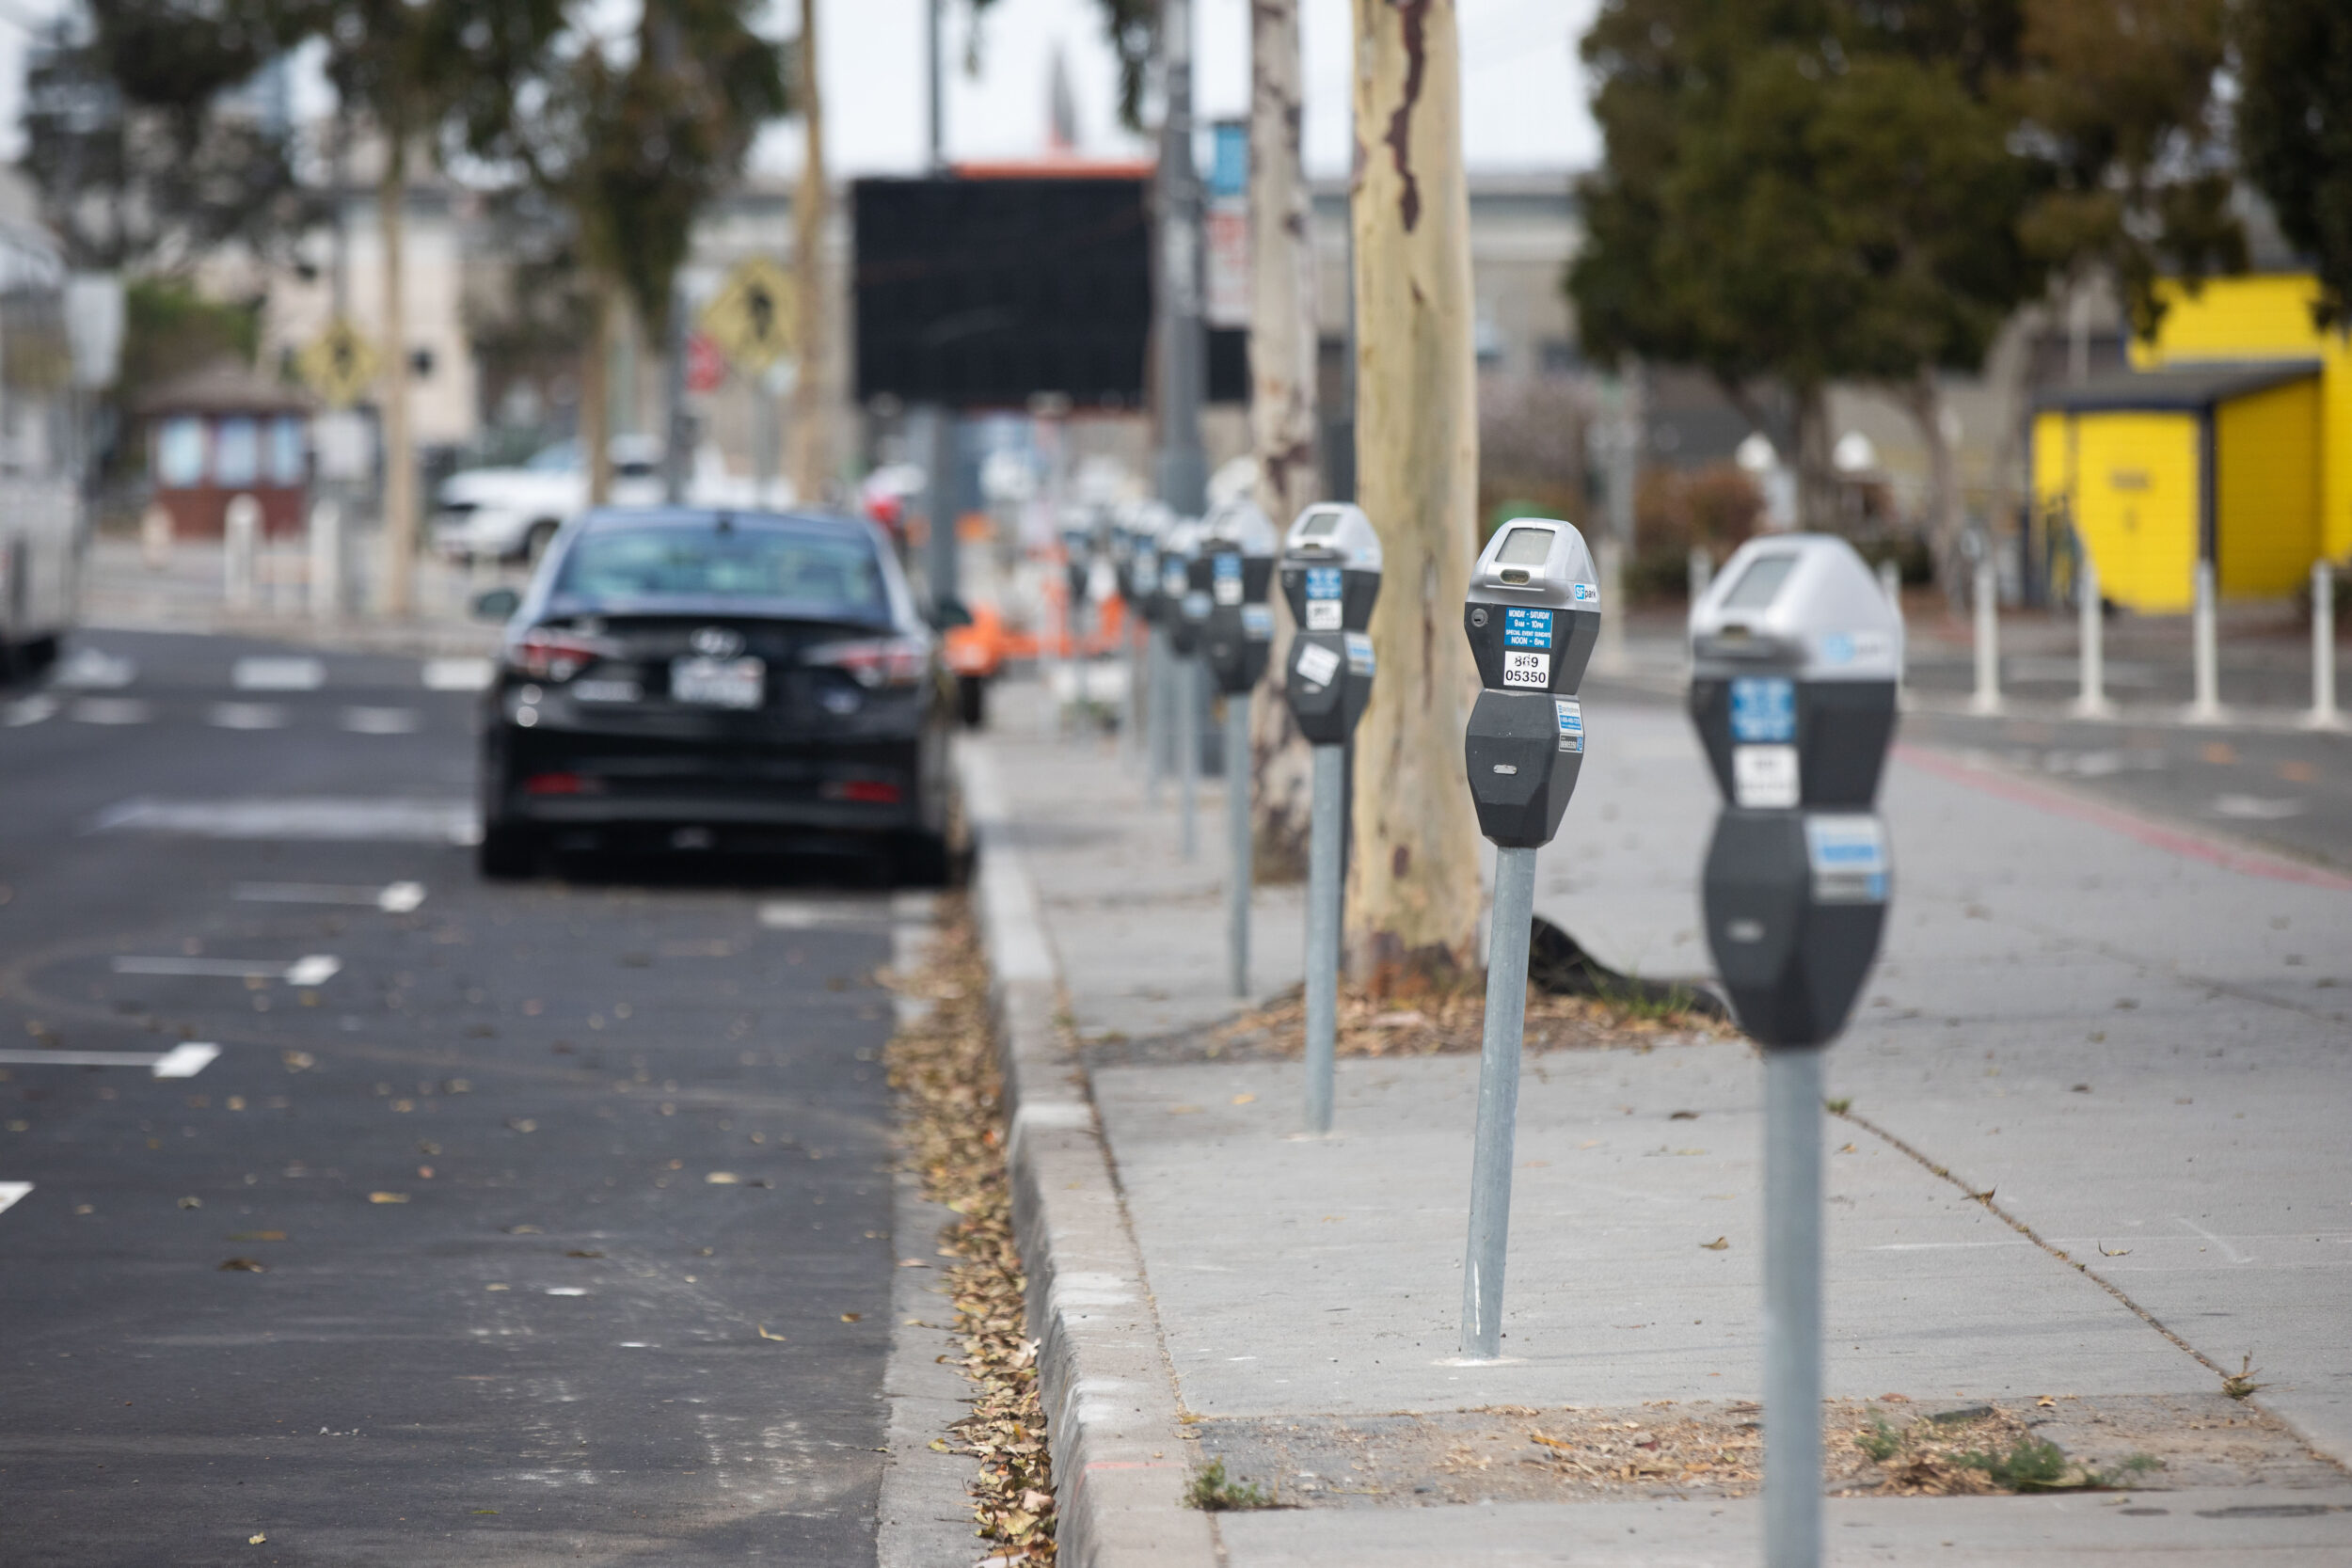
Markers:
<point>553,1224</point>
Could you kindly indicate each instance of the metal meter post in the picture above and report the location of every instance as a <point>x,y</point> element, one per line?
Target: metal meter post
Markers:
<point>1532,617</point>
<point>1795,660</point>
<point>1188,613</point>
<point>1237,567</point>
<point>1143,591</point>
<point>1330,577</point>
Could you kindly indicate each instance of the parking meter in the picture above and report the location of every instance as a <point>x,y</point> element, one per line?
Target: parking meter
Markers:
<point>1187,607</point>
<point>1531,615</point>
<point>1795,656</point>
<point>1330,575</point>
<point>1235,568</point>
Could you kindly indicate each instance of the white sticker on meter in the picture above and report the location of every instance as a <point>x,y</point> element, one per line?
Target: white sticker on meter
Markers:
<point>1316,664</point>
<point>1570,714</point>
<point>1849,858</point>
<point>1526,667</point>
<point>1764,777</point>
<point>1323,614</point>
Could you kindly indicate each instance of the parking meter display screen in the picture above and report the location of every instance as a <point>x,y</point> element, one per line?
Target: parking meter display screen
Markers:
<point>1319,525</point>
<point>1526,547</point>
<point>1760,583</point>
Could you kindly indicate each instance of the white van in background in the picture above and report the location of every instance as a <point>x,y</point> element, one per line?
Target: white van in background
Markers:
<point>511,514</point>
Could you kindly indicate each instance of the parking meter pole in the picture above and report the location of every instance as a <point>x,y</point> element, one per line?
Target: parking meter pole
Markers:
<point>1792,1308</point>
<point>1237,838</point>
<point>1187,685</point>
<point>2092,703</point>
<point>1498,1104</point>
<point>1987,610</point>
<point>2323,715</point>
<point>327,561</point>
<point>2206,707</point>
<point>1156,719</point>
<point>1323,932</point>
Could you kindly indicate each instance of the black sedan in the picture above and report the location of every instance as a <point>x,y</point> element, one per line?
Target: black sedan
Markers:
<point>686,676</point>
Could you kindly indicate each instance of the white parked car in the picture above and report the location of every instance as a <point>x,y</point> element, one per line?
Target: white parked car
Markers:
<point>511,514</point>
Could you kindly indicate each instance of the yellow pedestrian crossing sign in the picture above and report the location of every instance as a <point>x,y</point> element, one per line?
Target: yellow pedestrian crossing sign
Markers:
<point>750,318</point>
<point>338,364</point>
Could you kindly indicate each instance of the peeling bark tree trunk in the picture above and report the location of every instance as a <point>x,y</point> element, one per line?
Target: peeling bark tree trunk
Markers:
<point>1816,476</point>
<point>400,449</point>
<point>1923,399</point>
<point>809,465</point>
<point>596,391</point>
<point>1281,409</point>
<point>1413,891</point>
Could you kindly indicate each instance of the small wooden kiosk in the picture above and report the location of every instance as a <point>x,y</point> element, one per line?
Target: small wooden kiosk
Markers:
<point>227,430</point>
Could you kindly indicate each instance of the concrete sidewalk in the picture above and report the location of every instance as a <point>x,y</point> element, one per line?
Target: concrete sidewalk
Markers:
<point>2133,1038</point>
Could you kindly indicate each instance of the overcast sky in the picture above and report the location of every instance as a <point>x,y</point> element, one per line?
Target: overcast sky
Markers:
<point>1524,90</point>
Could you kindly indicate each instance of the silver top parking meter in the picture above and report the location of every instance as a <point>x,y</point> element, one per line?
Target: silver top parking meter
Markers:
<point>1532,616</point>
<point>1795,653</point>
<point>1330,575</point>
<point>1149,526</point>
<point>1235,568</point>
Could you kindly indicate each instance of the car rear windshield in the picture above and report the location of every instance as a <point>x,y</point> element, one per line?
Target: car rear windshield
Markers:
<point>741,563</point>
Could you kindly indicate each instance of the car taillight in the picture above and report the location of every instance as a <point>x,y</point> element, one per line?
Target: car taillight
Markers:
<point>872,662</point>
<point>553,655</point>
<point>872,792</point>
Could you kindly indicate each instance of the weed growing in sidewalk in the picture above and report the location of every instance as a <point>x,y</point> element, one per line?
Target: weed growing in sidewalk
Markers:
<point>2240,1385</point>
<point>1214,1491</point>
<point>946,1067</point>
<point>1440,1024</point>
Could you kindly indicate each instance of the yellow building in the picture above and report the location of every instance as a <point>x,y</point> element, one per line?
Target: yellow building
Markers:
<point>2231,441</point>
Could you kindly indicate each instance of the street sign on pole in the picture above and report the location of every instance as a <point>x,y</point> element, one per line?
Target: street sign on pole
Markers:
<point>750,319</point>
<point>338,364</point>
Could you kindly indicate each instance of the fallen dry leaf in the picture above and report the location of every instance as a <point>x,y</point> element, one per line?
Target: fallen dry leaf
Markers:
<point>851,1317</point>
<point>1717,1244</point>
<point>255,1539</point>
<point>245,1265</point>
<point>191,1203</point>
<point>257,1236</point>
<point>1244,1098</point>
<point>765,1335</point>
<point>388,1198</point>
<point>724,1179</point>
<point>583,1252</point>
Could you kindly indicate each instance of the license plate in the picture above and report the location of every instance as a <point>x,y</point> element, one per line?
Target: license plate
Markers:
<point>718,682</point>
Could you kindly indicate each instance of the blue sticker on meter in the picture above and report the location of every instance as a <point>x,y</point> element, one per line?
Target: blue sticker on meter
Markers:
<point>1526,629</point>
<point>1225,576</point>
<point>1848,859</point>
<point>1571,716</point>
<point>1763,710</point>
<point>1322,582</point>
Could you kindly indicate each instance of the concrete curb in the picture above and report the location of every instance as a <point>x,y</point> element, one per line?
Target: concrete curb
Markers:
<point>1119,1456</point>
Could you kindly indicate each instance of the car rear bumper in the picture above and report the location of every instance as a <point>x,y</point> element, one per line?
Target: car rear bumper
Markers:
<point>582,779</point>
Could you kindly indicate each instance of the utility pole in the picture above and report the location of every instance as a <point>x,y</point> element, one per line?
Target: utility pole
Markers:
<point>932,426</point>
<point>1183,467</point>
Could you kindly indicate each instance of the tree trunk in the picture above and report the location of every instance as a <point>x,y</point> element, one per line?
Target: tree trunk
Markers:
<point>399,452</point>
<point>1413,891</point>
<point>596,391</point>
<point>1924,401</point>
<point>809,465</point>
<point>1817,475</point>
<point>1281,408</point>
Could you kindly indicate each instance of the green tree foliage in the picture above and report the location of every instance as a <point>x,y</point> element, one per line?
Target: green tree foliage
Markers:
<point>2116,112</point>
<point>2294,129</point>
<point>136,164</point>
<point>169,330</point>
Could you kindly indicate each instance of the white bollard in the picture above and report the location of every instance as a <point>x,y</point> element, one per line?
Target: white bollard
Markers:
<point>156,537</point>
<point>2092,703</point>
<point>1702,572</point>
<point>2205,706</point>
<point>1891,584</point>
<point>1988,608</point>
<point>1609,654</point>
<point>240,530</point>
<point>2323,715</point>
<point>327,561</point>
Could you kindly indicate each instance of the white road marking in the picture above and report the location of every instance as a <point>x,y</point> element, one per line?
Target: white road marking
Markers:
<point>31,710</point>
<point>110,710</point>
<point>380,720</point>
<point>803,914</point>
<point>247,716</point>
<point>2256,808</point>
<point>565,1291</point>
<point>2232,1254</point>
<point>305,818</point>
<point>181,1061</point>
<point>392,898</point>
<point>89,670</point>
<point>312,969</point>
<point>278,674</point>
<point>456,675</point>
<point>10,1192</point>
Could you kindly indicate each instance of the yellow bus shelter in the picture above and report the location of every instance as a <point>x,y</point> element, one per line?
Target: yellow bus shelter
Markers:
<point>2159,469</point>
